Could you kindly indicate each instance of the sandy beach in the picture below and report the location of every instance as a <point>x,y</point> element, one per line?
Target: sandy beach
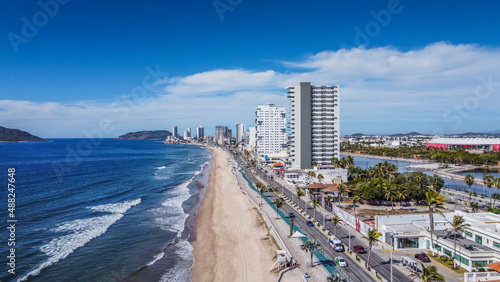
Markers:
<point>233,243</point>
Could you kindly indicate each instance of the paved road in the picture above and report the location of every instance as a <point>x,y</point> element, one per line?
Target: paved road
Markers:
<point>354,271</point>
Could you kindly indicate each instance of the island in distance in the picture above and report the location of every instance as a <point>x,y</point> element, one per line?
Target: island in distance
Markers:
<point>16,135</point>
<point>146,135</point>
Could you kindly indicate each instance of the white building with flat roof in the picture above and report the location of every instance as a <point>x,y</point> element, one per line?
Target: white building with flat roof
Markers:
<point>251,139</point>
<point>314,123</point>
<point>479,244</point>
<point>270,128</point>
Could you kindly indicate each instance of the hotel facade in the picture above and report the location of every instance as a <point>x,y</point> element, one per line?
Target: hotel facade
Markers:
<point>270,128</point>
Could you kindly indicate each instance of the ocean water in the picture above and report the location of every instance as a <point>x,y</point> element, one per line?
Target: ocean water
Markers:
<point>102,210</point>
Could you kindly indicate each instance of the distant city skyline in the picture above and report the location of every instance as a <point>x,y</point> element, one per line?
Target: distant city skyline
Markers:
<point>140,66</point>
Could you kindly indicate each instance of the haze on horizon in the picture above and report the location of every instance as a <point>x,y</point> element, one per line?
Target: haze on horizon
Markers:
<point>71,67</point>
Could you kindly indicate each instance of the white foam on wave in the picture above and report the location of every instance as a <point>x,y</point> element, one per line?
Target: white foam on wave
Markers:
<point>81,231</point>
<point>182,270</point>
<point>161,167</point>
<point>157,258</point>
<point>171,216</point>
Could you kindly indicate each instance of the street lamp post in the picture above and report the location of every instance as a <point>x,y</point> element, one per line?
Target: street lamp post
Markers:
<point>392,250</point>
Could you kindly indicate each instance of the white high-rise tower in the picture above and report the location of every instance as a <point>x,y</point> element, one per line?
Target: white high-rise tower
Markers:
<point>270,128</point>
<point>314,123</point>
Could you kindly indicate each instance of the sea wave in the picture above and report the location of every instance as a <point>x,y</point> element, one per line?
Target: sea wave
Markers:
<point>81,231</point>
<point>182,270</point>
<point>171,216</point>
<point>157,258</point>
<point>161,167</point>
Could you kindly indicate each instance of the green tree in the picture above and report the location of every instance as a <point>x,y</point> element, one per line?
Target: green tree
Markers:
<point>342,190</point>
<point>401,193</point>
<point>390,194</point>
<point>373,234</point>
<point>474,206</point>
<point>497,184</point>
<point>300,192</point>
<point>430,274</point>
<point>457,226</point>
<point>437,183</point>
<point>315,202</point>
<point>262,189</point>
<point>421,179</point>
<point>489,180</point>
<point>335,220</point>
<point>433,202</point>
<point>278,203</point>
<point>355,200</point>
<point>320,177</point>
<point>312,246</point>
<point>469,180</point>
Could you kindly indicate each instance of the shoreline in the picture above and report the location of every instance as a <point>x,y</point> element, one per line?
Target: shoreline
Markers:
<point>229,244</point>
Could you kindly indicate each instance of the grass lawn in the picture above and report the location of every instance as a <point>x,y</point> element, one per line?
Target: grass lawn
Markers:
<point>459,270</point>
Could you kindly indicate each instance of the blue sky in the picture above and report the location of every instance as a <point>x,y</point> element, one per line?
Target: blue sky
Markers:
<point>116,66</point>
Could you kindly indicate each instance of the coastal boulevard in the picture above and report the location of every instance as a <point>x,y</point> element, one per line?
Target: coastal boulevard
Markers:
<point>354,271</point>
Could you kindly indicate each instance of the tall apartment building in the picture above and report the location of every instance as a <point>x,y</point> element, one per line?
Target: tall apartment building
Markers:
<point>251,139</point>
<point>187,133</point>
<point>174,131</point>
<point>270,128</point>
<point>221,135</point>
<point>240,134</point>
<point>200,132</point>
<point>314,123</point>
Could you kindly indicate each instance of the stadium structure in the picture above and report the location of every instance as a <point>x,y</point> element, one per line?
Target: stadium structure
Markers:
<point>470,144</point>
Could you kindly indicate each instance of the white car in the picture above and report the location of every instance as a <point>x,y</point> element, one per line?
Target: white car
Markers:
<point>340,261</point>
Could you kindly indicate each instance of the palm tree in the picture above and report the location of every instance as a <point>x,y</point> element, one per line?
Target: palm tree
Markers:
<point>320,177</point>
<point>316,202</point>
<point>429,274</point>
<point>474,206</point>
<point>312,246</point>
<point>335,220</point>
<point>437,183</point>
<point>300,192</point>
<point>342,190</point>
<point>469,180</point>
<point>433,201</point>
<point>401,194</point>
<point>349,160</point>
<point>355,200</point>
<point>457,227</point>
<point>262,189</point>
<point>373,234</point>
<point>421,179</point>
<point>390,193</point>
<point>278,203</point>
<point>489,180</point>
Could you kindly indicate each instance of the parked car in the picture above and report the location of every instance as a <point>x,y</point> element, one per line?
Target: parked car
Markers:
<point>422,257</point>
<point>359,249</point>
<point>291,214</point>
<point>340,261</point>
<point>310,223</point>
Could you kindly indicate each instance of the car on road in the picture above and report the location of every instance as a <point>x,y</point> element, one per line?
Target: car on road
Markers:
<point>291,214</point>
<point>341,261</point>
<point>422,257</point>
<point>310,223</point>
<point>336,244</point>
<point>359,249</point>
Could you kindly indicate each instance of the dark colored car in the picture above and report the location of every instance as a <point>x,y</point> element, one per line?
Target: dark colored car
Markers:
<point>359,249</point>
<point>310,223</point>
<point>422,257</point>
<point>291,214</point>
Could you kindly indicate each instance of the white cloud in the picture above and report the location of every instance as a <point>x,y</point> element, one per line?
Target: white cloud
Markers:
<point>382,90</point>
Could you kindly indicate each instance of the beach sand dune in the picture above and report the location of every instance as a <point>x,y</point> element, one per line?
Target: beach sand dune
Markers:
<point>233,243</point>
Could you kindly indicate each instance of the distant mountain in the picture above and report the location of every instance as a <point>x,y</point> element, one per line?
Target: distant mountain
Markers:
<point>357,134</point>
<point>16,135</point>
<point>407,134</point>
<point>149,135</point>
<point>493,132</point>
